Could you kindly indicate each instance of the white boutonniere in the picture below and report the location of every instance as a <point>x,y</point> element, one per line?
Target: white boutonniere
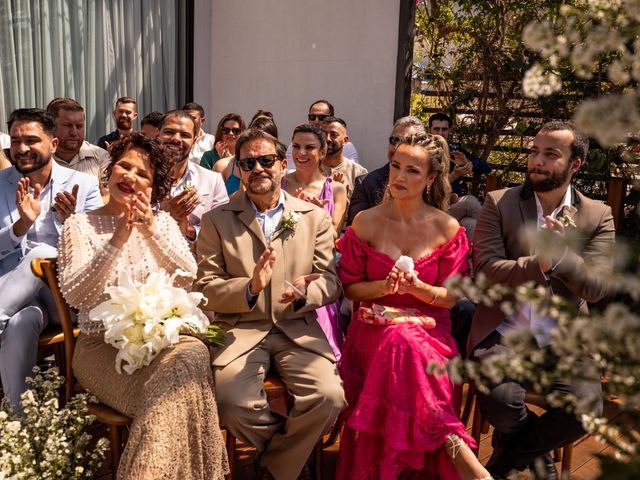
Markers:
<point>567,216</point>
<point>290,221</point>
<point>567,221</point>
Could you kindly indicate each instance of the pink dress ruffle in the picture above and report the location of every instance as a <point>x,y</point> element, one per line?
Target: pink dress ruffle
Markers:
<point>399,416</point>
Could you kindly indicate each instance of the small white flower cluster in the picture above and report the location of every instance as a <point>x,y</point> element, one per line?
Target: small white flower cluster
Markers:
<point>290,221</point>
<point>588,36</point>
<point>540,83</point>
<point>142,319</point>
<point>609,119</point>
<point>48,442</point>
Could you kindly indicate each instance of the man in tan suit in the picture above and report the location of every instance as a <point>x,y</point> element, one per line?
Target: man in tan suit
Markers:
<point>249,249</point>
<point>546,198</point>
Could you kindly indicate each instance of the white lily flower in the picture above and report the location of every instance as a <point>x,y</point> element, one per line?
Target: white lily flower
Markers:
<point>142,319</point>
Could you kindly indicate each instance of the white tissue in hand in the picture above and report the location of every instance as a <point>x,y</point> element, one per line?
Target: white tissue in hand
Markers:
<point>405,264</point>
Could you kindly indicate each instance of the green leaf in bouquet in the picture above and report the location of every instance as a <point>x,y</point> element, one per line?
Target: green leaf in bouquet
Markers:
<point>214,336</point>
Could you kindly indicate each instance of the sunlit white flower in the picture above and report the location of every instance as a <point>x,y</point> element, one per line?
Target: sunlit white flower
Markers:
<point>538,83</point>
<point>142,319</point>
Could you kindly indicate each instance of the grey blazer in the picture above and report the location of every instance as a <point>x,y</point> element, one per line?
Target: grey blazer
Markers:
<point>499,253</point>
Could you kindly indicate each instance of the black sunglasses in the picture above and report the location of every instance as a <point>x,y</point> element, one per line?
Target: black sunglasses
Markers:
<point>394,140</point>
<point>227,131</point>
<point>265,161</point>
<point>313,118</point>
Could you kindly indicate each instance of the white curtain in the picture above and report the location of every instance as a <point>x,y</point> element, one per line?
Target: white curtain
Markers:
<point>94,51</point>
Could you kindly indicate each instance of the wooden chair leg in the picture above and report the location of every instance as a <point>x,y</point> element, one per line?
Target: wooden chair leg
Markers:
<point>467,407</point>
<point>115,438</point>
<point>477,426</point>
<point>317,459</point>
<point>231,453</point>
<point>567,454</point>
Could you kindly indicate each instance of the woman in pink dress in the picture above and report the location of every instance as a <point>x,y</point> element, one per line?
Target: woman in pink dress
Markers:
<point>401,421</point>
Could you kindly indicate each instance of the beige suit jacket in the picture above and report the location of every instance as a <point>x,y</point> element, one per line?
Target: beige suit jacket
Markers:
<point>231,242</point>
<point>499,252</point>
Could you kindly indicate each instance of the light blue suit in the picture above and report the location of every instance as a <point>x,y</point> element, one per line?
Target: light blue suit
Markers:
<point>23,301</point>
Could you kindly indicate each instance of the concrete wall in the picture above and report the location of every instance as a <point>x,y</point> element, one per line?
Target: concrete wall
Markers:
<point>281,55</point>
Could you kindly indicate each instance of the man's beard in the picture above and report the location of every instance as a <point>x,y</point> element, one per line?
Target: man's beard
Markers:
<point>553,180</point>
<point>176,156</point>
<point>263,188</point>
<point>66,146</point>
<point>124,123</point>
<point>334,148</point>
<point>37,165</point>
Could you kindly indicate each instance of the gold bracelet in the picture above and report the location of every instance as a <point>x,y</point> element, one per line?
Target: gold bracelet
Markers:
<point>435,296</point>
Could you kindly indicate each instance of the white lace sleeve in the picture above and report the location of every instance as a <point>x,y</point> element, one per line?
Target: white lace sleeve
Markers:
<point>170,248</point>
<point>83,269</point>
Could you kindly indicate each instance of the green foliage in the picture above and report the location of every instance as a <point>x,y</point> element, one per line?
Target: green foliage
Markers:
<point>474,59</point>
<point>471,59</point>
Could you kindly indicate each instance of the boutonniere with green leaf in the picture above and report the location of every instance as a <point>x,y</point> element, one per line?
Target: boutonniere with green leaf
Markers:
<point>567,216</point>
<point>290,221</point>
<point>567,221</point>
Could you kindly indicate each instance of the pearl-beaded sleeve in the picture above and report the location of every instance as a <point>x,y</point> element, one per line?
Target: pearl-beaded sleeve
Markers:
<point>84,267</point>
<point>170,248</point>
<point>88,263</point>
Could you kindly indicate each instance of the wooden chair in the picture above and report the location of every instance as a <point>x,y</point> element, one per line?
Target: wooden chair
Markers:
<point>279,401</point>
<point>480,426</point>
<point>46,269</point>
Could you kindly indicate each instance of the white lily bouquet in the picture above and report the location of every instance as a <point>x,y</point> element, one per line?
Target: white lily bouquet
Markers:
<point>142,319</point>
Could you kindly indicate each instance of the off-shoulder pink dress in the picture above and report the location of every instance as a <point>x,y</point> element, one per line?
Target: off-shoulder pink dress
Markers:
<point>399,416</point>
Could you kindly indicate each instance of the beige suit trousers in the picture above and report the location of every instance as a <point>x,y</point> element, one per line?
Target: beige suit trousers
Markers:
<point>310,378</point>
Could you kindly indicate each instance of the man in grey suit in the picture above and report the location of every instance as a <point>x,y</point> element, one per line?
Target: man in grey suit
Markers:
<point>36,196</point>
<point>577,274</point>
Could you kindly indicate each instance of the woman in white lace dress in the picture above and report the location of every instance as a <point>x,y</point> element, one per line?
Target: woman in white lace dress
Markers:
<point>175,432</point>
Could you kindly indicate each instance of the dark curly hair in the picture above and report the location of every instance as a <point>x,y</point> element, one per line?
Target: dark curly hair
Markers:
<point>161,163</point>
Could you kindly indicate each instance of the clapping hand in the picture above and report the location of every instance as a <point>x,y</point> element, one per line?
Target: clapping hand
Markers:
<point>65,203</point>
<point>141,213</point>
<point>339,177</point>
<point>301,194</point>
<point>222,149</point>
<point>138,214</point>
<point>29,205</point>
<point>299,289</point>
<point>180,207</point>
<point>262,271</point>
<point>463,166</point>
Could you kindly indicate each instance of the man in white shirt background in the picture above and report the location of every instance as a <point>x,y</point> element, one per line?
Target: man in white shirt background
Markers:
<point>205,141</point>
<point>196,189</point>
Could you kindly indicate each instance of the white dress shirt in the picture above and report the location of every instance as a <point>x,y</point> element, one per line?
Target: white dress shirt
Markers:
<point>525,316</point>
<point>203,144</point>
